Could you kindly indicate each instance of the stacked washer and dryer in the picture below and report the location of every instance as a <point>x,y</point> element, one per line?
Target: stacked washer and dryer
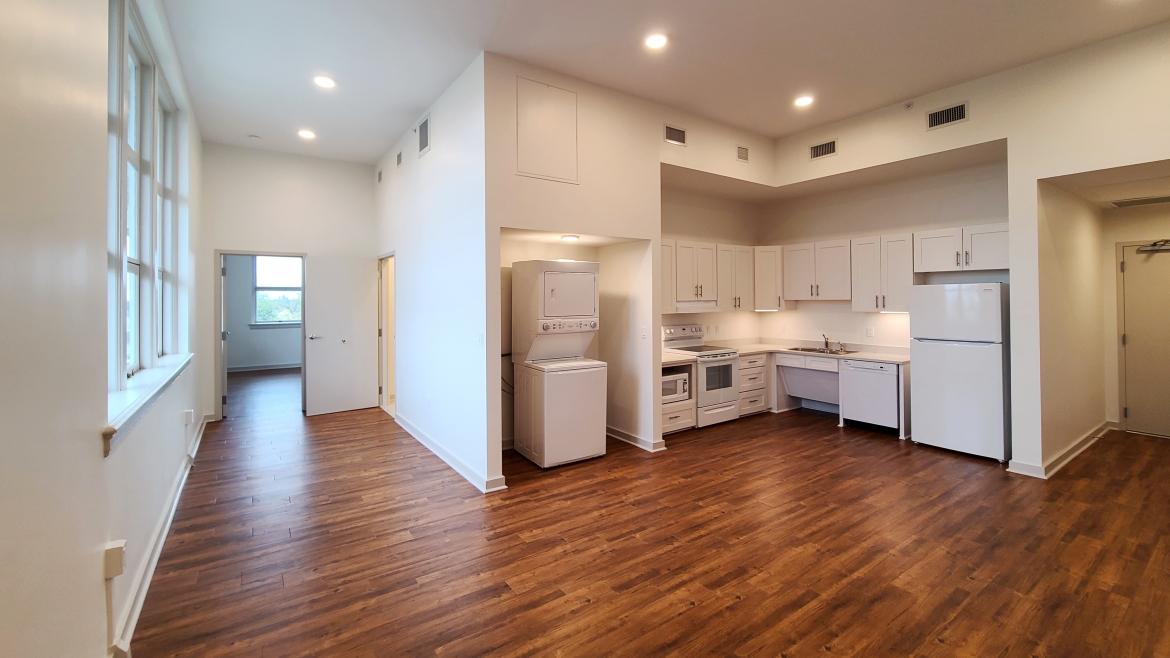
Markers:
<point>559,394</point>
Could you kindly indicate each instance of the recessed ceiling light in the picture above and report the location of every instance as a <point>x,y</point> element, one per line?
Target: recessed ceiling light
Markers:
<point>804,101</point>
<point>656,41</point>
<point>307,134</point>
<point>325,82</point>
<point>570,238</point>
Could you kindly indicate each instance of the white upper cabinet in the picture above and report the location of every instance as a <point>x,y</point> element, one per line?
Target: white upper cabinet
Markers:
<point>734,265</point>
<point>695,275</point>
<point>800,274</point>
<point>725,272</point>
<point>940,250</point>
<point>769,279</point>
<point>667,274</point>
<point>897,271</point>
<point>982,247</point>
<point>867,274</point>
<point>985,247</point>
<point>832,270</point>
<point>817,270</point>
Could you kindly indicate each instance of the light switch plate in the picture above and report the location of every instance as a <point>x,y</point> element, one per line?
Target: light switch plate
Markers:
<point>115,559</point>
<point>188,416</point>
<point>869,331</point>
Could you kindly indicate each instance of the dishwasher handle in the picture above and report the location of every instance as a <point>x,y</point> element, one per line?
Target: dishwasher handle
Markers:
<point>870,366</point>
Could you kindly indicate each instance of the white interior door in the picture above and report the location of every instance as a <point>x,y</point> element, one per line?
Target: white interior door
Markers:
<point>1147,341</point>
<point>833,271</point>
<point>866,272</point>
<point>341,334</point>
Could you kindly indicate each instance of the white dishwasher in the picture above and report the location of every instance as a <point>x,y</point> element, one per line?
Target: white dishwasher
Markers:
<point>869,392</point>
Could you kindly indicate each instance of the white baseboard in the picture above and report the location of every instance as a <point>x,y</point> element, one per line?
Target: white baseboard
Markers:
<point>780,411</point>
<point>645,444</point>
<point>1024,468</point>
<point>478,481</point>
<point>283,366</point>
<point>1068,454</point>
<point>128,619</point>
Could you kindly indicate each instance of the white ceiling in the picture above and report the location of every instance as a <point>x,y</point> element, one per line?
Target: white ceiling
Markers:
<point>1141,181</point>
<point>249,63</point>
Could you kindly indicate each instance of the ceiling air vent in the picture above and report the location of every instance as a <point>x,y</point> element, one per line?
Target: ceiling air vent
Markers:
<point>1126,203</point>
<point>676,135</point>
<point>946,116</point>
<point>823,150</point>
<point>741,153</point>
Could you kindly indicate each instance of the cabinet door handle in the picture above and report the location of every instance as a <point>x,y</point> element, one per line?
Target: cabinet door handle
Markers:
<point>818,290</point>
<point>700,290</point>
<point>968,258</point>
<point>875,304</point>
<point>674,417</point>
<point>883,301</point>
<point>957,261</point>
<point>779,301</point>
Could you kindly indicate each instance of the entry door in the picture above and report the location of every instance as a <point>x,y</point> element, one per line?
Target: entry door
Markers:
<point>341,334</point>
<point>1146,281</point>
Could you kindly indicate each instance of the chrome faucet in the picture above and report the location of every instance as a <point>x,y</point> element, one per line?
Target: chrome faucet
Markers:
<point>826,342</point>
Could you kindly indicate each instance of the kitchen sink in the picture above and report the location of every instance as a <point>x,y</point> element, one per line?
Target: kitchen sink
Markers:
<point>821,350</point>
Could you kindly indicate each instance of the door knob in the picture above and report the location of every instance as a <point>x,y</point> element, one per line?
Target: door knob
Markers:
<point>314,337</point>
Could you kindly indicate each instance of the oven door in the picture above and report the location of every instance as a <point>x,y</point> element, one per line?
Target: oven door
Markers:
<point>676,388</point>
<point>718,380</point>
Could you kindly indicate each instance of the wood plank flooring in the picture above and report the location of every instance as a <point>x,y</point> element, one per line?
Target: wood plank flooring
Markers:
<point>777,535</point>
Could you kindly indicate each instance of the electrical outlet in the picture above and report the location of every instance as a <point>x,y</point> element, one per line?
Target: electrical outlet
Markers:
<point>645,331</point>
<point>188,416</point>
<point>869,331</point>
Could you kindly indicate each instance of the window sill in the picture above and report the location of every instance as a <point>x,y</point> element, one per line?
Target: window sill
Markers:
<point>127,406</point>
<point>274,325</point>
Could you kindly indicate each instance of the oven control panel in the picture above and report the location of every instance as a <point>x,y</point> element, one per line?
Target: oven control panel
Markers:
<point>576,325</point>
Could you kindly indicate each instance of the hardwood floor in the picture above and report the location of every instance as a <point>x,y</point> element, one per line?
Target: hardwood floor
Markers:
<point>777,535</point>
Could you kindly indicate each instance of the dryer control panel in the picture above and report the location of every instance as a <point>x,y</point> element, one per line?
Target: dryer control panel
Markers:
<point>567,326</point>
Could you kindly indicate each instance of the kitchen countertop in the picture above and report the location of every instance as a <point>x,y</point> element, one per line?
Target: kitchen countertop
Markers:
<point>671,358</point>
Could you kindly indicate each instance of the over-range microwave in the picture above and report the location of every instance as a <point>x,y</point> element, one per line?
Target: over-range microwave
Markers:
<point>676,387</point>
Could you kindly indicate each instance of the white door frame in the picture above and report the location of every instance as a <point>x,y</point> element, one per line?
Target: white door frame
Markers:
<point>383,339</point>
<point>220,364</point>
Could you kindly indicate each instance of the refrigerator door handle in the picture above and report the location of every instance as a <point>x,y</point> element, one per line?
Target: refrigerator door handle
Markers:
<point>943,341</point>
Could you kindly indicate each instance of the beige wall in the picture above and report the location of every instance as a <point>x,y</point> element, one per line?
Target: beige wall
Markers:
<point>1070,320</point>
<point>1137,224</point>
<point>690,216</point>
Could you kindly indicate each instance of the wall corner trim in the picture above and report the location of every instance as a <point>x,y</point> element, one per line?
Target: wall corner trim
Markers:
<point>1024,468</point>
<point>480,482</point>
<point>645,444</point>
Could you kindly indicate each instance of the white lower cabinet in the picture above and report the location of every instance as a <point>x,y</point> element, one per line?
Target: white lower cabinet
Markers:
<point>753,402</point>
<point>678,416</point>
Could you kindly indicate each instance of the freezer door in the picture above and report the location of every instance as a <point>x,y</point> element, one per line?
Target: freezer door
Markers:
<point>964,311</point>
<point>958,396</point>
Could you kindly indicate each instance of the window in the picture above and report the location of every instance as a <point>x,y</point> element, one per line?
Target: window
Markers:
<point>276,288</point>
<point>143,217</point>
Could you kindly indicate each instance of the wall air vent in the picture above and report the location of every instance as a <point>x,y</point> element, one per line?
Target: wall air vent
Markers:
<point>424,136</point>
<point>823,150</point>
<point>1145,201</point>
<point>676,135</point>
<point>399,159</point>
<point>946,116</point>
<point>741,153</point>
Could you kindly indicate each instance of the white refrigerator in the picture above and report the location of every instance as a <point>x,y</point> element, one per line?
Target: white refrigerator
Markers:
<point>959,349</point>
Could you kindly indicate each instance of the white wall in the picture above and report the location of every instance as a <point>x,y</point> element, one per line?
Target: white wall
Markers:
<point>60,500</point>
<point>691,216</point>
<point>1136,224</point>
<point>1088,109</point>
<point>628,347</point>
<point>431,215</point>
<point>1070,320</point>
<point>259,201</point>
<point>252,348</point>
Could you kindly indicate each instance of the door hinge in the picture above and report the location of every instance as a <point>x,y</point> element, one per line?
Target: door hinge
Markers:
<point>223,271</point>
<point>225,399</point>
<point>379,390</point>
<point>1122,266</point>
<point>1123,339</point>
<point>379,333</point>
<point>1126,412</point>
<point>223,335</point>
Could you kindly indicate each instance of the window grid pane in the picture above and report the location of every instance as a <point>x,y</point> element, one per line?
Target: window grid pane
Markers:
<point>133,92</point>
<point>278,306</point>
<point>131,211</point>
<point>133,335</point>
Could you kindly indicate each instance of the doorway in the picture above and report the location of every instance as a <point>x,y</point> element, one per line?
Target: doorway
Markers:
<point>387,397</point>
<point>1145,319</point>
<point>261,310</point>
